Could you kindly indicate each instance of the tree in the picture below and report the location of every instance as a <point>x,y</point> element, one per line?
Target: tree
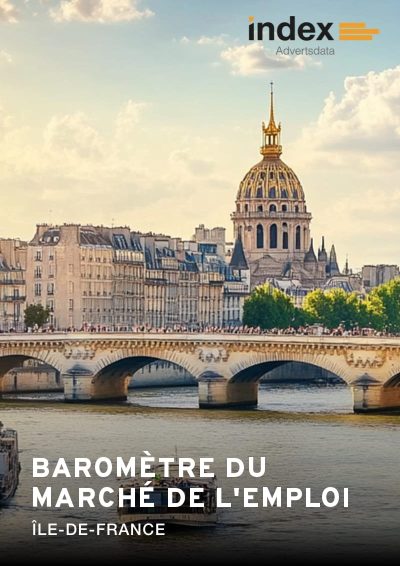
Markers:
<point>336,307</point>
<point>36,315</point>
<point>384,302</point>
<point>268,308</point>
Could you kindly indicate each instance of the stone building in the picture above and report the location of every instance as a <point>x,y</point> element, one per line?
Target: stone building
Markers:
<point>203,235</point>
<point>86,276</point>
<point>111,278</point>
<point>12,284</point>
<point>273,222</point>
<point>374,275</point>
<point>189,282</point>
<point>236,286</point>
<point>69,270</point>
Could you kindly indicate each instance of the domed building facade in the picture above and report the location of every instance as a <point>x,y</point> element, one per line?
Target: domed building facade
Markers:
<point>271,219</point>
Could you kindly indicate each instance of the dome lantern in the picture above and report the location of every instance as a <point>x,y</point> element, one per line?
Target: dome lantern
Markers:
<point>271,134</point>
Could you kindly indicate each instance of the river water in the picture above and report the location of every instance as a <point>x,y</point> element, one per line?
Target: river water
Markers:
<point>308,434</point>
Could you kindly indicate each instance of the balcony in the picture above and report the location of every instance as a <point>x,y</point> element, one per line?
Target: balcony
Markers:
<point>267,214</point>
<point>12,298</point>
<point>14,282</point>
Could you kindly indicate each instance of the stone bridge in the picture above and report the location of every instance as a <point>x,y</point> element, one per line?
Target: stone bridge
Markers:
<point>227,366</point>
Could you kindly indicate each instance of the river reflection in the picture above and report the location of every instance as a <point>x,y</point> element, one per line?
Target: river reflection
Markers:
<point>308,434</point>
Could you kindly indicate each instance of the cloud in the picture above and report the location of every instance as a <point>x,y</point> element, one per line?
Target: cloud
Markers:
<point>138,171</point>
<point>218,40</point>
<point>253,59</point>
<point>8,12</point>
<point>128,118</point>
<point>369,219</point>
<point>5,121</point>
<point>196,166</point>
<point>5,58</point>
<point>348,160</point>
<point>73,136</point>
<point>100,11</point>
<point>363,122</point>
<point>213,40</point>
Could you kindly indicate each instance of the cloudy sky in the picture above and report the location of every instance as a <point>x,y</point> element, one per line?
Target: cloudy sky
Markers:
<point>147,113</point>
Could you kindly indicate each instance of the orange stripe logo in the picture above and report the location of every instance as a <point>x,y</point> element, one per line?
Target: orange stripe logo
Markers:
<point>356,31</point>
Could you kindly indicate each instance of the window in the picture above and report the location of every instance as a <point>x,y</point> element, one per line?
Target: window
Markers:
<point>272,192</point>
<point>238,207</point>
<point>259,208</point>
<point>295,194</point>
<point>38,289</point>
<point>246,208</point>
<point>284,208</point>
<point>259,193</point>
<point>70,286</point>
<point>285,236</point>
<point>298,238</point>
<point>38,256</point>
<point>296,208</point>
<point>260,236</point>
<point>284,193</point>
<point>50,288</point>
<point>38,272</point>
<point>272,208</point>
<point>120,242</point>
<point>71,304</point>
<point>273,236</point>
<point>271,174</point>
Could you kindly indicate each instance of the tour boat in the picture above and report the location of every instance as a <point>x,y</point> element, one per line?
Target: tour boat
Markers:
<point>182,516</point>
<point>9,463</point>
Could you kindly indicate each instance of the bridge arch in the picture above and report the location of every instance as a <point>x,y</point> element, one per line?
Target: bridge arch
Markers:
<point>394,380</point>
<point>11,361</point>
<point>250,369</point>
<point>123,364</point>
<point>109,378</point>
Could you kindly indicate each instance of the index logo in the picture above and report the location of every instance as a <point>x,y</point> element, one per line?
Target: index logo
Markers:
<point>308,31</point>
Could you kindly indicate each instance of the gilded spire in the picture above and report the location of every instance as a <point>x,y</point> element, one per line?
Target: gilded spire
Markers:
<point>272,133</point>
<point>271,109</point>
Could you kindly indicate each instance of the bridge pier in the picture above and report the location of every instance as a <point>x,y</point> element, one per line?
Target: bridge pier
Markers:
<point>81,386</point>
<point>375,398</point>
<point>216,392</point>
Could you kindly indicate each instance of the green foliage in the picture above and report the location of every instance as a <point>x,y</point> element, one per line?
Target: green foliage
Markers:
<point>36,314</point>
<point>384,302</point>
<point>268,308</point>
<point>335,307</point>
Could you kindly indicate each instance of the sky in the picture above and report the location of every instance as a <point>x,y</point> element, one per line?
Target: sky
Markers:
<point>148,113</point>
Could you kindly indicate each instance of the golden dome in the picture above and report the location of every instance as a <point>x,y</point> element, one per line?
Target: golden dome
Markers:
<point>271,178</point>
